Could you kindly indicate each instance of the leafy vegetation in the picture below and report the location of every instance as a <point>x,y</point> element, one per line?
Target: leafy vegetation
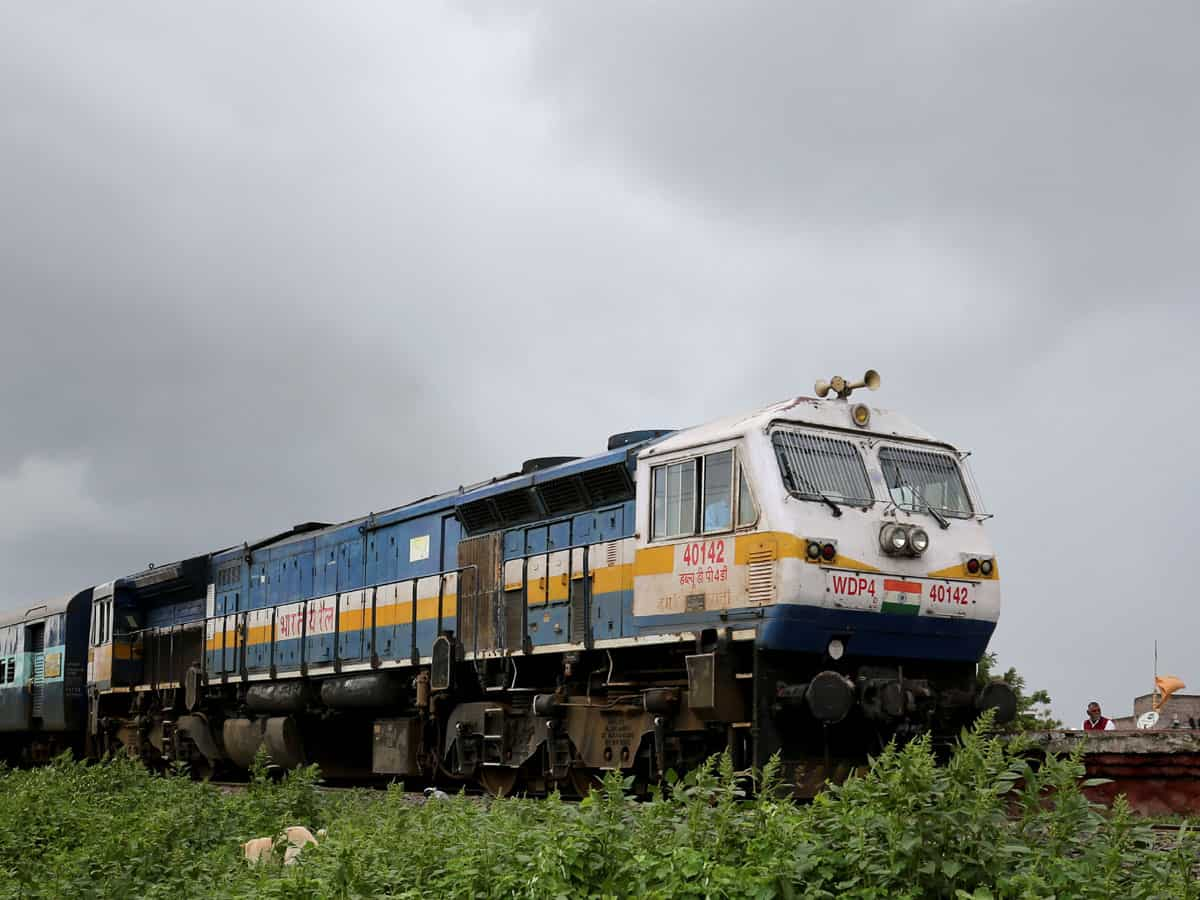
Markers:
<point>1033,708</point>
<point>985,824</point>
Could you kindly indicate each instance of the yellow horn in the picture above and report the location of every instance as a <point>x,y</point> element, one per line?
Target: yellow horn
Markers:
<point>870,381</point>
<point>822,388</point>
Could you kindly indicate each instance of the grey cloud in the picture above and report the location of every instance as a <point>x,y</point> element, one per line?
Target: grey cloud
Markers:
<point>838,113</point>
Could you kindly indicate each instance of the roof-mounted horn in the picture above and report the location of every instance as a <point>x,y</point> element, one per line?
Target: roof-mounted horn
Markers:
<point>844,388</point>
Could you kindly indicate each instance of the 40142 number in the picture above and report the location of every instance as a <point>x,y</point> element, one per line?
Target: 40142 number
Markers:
<point>703,553</point>
<point>959,594</point>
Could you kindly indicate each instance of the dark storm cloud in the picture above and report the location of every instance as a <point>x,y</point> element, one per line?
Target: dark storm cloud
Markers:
<point>268,263</point>
<point>843,114</point>
<point>1049,146</point>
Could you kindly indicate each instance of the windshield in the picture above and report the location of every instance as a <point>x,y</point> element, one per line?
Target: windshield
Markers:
<point>918,479</point>
<point>817,467</point>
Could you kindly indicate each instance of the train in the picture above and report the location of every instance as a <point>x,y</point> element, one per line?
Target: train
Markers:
<point>809,580</point>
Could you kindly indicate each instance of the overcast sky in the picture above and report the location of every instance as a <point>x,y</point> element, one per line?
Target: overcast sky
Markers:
<point>265,263</point>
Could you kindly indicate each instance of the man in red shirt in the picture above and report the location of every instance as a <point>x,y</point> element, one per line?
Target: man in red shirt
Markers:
<point>1095,721</point>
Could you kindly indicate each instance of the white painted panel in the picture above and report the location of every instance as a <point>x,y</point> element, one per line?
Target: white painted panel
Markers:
<point>320,615</point>
<point>514,574</point>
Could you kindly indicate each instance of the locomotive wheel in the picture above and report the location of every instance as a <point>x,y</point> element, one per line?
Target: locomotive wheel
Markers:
<point>497,781</point>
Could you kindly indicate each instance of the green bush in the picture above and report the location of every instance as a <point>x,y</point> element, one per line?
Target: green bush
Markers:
<point>985,824</point>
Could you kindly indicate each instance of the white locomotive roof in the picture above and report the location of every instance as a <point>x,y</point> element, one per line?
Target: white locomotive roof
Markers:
<point>798,410</point>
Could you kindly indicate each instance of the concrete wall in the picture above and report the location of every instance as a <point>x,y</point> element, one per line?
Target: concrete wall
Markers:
<point>1185,706</point>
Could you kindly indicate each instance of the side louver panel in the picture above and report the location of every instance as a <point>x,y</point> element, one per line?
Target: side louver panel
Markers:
<point>760,576</point>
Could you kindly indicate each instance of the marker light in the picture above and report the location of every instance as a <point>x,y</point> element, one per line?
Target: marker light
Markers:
<point>986,567</point>
<point>918,540</point>
<point>828,552</point>
<point>893,539</point>
<point>973,566</point>
<point>814,550</point>
<point>836,649</point>
<point>860,413</point>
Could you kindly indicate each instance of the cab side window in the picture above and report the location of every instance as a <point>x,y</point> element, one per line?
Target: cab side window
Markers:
<point>718,491</point>
<point>693,496</point>
<point>675,500</point>
<point>100,622</point>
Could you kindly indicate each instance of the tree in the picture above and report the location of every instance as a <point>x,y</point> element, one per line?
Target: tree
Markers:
<point>1033,709</point>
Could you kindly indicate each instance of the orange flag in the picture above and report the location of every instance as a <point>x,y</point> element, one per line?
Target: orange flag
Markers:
<point>1166,685</point>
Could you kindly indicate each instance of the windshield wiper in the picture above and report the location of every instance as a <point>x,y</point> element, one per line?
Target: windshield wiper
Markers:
<point>903,482</point>
<point>837,510</point>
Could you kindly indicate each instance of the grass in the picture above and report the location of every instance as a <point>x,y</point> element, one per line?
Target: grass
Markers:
<point>978,826</point>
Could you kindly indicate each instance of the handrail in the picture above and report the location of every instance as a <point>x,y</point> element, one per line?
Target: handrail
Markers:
<point>239,669</point>
<point>368,649</point>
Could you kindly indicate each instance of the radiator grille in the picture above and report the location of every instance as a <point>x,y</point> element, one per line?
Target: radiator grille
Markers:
<point>516,506</point>
<point>608,484</point>
<point>478,515</point>
<point>562,495</point>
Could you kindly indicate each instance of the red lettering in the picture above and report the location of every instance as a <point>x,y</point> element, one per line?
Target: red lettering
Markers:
<point>945,593</point>
<point>697,554</point>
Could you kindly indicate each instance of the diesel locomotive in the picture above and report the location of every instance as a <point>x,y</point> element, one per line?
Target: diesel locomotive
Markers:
<point>811,579</point>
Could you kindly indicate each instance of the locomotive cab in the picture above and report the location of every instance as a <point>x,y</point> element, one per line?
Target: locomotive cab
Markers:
<point>116,637</point>
<point>145,634</point>
<point>841,543</point>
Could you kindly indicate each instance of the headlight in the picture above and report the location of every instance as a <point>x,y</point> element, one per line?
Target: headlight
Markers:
<point>918,540</point>
<point>893,539</point>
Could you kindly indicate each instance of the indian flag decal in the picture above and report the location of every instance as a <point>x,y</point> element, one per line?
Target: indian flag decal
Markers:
<point>901,598</point>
